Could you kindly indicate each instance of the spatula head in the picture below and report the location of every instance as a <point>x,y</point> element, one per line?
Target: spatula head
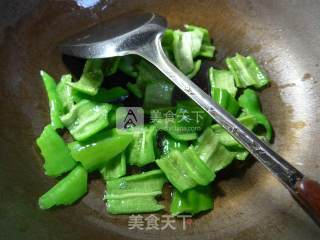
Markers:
<point>116,37</point>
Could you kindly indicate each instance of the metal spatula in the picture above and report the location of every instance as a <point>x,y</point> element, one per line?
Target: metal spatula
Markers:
<point>140,34</point>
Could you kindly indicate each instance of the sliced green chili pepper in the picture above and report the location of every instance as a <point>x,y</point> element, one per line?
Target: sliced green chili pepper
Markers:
<point>192,201</point>
<point>148,73</point>
<point>141,150</point>
<point>66,191</point>
<point>166,144</point>
<point>247,72</point>
<point>185,170</point>
<point>86,118</point>
<point>182,51</point>
<point>115,168</point>
<point>177,132</point>
<point>135,194</point>
<point>250,103</point>
<point>103,95</point>
<point>196,69</point>
<point>96,152</point>
<point>110,66</point>
<point>91,78</point>
<point>206,49</point>
<point>172,167</point>
<point>225,100</point>
<point>166,41</point>
<point>212,152</point>
<point>196,168</point>
<point>65,92</point>
<point>55,152</point>
<point>158,95</point>
<point>222,79</point>
<point>135,90</point>
<point>56,107</point>
<point>249,121</point>
<point>127,65</point>
<point>217,148</point>
<point>205,32</point>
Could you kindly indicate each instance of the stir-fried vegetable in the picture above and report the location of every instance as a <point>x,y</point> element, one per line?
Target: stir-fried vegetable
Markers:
<point>86,118</point>
<point>247,72</point>
<point>192,201</point>
<point>66,191</point>
<point>134,194</point>
<point>91,78</point>
<point>178,142</point>
<point>57,156</point>
<point>55,103</point>
<point>95,152</point>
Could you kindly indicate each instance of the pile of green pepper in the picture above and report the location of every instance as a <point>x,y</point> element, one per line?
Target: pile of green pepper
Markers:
<point>185,148</point>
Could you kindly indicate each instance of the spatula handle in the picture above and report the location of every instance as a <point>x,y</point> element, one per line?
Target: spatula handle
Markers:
<point>307,194</point>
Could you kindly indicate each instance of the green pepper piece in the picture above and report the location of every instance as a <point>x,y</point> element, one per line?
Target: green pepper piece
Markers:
<point>65,92</point>
<point>170,126</point>
<point>185,170</point>
<point>225,100</point>
<point>96,152</point>
<point>91,78</point>
<point>249,121</point>
<point>206,49</point>
<point>166,42</point>
<point>66,191</point>
<point>158,95</point>
<point>86,118</point>
<point>195,168</point>
<point>182,51</point>
<point>127,65</point>
<point>115,168</point>
<point>192,201</point>
<point>205,32</point>
<point>141,150</point>
<point>136,193</point>
<point>135,90</point>
<point>167,38</point>
<point>212,152</point>
<point>250,103</point>
<point>196,41</point>
<point>110,66</point>
<point>175,171</point>
<point>167,144</point>
<point>195,70</point>
<point>222,79</point>
<point>148,73</point>
<point>103,95</point>
<point>55,152</point>
<point>247,72</point>
<point>56,107</point>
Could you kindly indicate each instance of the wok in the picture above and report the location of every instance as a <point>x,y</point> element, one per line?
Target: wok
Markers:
<point>249,203</point>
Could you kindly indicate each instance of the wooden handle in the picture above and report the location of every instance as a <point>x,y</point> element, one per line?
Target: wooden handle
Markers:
<point>307,193</point>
